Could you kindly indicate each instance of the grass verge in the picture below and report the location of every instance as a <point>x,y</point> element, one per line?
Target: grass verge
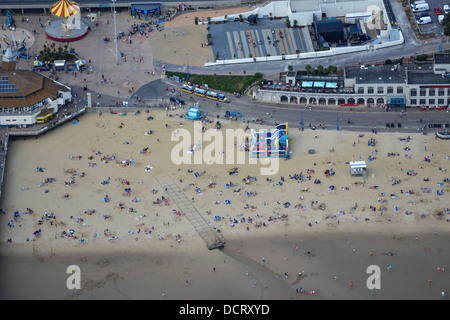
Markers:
<point>225,83</point>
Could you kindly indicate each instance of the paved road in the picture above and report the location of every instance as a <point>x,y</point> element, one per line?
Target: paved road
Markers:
<point>362,118</point>
<point>83,3</point>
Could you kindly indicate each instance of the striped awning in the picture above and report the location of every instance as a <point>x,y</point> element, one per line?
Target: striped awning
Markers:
<point>65,8</point>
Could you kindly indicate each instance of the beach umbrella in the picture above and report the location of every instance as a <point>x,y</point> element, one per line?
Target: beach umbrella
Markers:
<point>65,8</point>
<point>38,63</point>
<point>80,62</point>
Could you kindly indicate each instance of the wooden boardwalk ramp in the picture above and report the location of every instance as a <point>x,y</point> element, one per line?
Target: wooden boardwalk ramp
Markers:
<point>212,238</point>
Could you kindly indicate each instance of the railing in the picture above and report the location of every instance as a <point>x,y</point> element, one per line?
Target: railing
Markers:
<point>49,127</point>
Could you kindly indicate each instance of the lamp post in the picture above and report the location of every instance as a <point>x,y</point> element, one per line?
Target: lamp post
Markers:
<point>115,31</point>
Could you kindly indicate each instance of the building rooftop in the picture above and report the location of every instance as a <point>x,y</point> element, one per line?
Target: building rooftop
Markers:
<point>377,74</point>
<point>427,78</point>
<point>305,5</point>
<point>22,88</point>
<point>442,58</point>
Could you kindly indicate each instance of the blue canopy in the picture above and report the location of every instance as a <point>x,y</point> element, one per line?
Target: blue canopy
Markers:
<point>319,84</point>
<point>332,85</point>
<point>307,84</point>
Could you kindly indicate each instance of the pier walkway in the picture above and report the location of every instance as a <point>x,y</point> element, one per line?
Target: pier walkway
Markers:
<point>212,238</point>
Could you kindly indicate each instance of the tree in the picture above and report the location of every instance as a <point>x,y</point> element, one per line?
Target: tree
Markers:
<point>332,69</point>
<point>309,69</point>
<point>320,69</point>
<point>290,67</point>
<point>422,57</point>
<point>446,24</point>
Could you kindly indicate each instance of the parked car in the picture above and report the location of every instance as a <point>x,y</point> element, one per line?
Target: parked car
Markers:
<point>440,18</point>
<point>446,8</point>
<point>420,6</point>
<point>176,100</point>
<point>437,11</point>
<point>423,14</point>
<point>424,20</point>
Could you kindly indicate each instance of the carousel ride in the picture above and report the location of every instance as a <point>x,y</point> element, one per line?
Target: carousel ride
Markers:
<point>71,26</point>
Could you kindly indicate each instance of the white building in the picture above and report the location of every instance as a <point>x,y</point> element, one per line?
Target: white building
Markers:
<point>25,94</point>
<point>396,85</point>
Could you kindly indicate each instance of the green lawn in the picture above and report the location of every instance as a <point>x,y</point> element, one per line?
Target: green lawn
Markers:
<point>225,83</point>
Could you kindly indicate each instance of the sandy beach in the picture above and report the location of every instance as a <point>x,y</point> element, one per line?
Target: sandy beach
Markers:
<point>317,239</point>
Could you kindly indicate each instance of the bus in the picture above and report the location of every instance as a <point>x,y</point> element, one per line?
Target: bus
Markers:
<point>212,95</point>
<point>187,88</point>
<point>223,98</point>
<point>199,92</point>
<point>45,116</point>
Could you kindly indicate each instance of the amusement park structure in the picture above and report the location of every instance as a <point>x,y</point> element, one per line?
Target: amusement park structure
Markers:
<point>15,49</point>
<point>193,113</point>
<point>71,26</point>
<point>270,143</point>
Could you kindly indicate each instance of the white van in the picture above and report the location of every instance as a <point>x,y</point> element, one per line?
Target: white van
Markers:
<point>417,2</point>
<point>420,7</point>
<point>424,20</point>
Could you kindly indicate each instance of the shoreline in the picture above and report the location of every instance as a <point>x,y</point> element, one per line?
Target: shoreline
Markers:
<point>107,274</point>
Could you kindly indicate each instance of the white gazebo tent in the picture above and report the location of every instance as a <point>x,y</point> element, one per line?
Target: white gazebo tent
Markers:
<point>358,168</point>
